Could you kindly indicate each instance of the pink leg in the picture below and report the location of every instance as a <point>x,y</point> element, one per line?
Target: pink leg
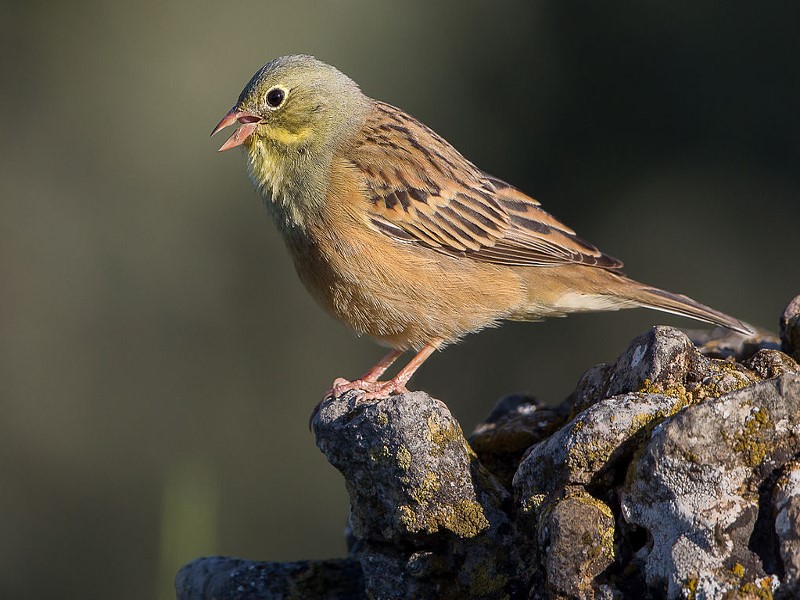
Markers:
<point>379,369</point>
<point>372,388</point>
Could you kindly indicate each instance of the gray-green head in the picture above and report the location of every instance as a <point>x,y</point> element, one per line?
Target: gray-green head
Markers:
<point>293,103</point>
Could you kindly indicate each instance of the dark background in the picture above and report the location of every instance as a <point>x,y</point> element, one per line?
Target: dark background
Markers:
<point>158,356</point>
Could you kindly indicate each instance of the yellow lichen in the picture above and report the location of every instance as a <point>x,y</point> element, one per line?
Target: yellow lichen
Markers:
<point>691,588</point>
<point>403,458</point>
<point>755,439</point>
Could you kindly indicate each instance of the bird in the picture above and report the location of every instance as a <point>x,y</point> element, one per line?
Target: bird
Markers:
<point>395,233</point>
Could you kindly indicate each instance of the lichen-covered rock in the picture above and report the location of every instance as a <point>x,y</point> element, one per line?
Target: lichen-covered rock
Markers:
<point>576,535</point>
<point>786,511</point>
<point>222,578</point>
<point>768,363</point>
<point>790,329</point>
<point>672,473</point>
<point>407,467</point>
<point>587,448</point>
<point>662,361</point>
<point>695,489</point>
<point>415,483</point>
<point>515,424</point>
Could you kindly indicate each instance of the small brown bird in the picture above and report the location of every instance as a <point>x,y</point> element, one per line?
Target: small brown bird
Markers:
<point>398,235</point>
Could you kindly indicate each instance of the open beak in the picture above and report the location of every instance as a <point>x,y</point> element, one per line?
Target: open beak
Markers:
<point>249,121</point>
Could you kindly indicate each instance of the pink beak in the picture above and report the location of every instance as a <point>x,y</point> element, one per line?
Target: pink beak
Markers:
<point>249,121</point>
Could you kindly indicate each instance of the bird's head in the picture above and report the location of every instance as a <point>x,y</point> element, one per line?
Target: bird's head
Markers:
<point>293,104</point>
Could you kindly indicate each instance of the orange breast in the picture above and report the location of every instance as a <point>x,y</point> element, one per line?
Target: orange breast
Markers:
<point>401,294</point>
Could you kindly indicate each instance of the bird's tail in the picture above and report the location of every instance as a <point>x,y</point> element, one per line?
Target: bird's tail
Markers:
<point>678,304</point>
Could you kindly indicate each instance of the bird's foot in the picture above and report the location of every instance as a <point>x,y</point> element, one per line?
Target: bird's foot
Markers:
<point>366,389</point>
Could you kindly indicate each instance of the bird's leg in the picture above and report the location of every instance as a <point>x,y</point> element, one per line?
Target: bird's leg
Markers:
<point>369,385</point>
<point>379,369</point>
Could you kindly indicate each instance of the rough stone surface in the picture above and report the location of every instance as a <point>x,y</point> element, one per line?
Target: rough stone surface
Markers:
<point>790,329</point>
<point>218,577</point>
<point>673,472</point>
<point>786,511</point>
<point>516,423</point>
<point>695,489</point>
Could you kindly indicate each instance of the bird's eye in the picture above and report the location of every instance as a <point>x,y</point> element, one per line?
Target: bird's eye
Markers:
<point>275,97</point>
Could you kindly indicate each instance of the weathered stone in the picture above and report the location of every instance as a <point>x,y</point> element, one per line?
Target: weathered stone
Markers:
<point>586,450</point>
<point>790,329</point>
<point>407,467</point>
<point>416,486</point>
<point>675,475</point>
<point>771,363</point>
<point>786,510</point>
<point>577,538</point>
<point>695,488</point>
<point>661,361</point>
<point>515,424</point>
<point>222,578</point>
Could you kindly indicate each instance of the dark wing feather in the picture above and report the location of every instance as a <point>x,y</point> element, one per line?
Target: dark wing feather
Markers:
<point>421,190</point>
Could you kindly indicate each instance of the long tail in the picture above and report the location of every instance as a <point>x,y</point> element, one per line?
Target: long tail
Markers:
<point>678,304</point>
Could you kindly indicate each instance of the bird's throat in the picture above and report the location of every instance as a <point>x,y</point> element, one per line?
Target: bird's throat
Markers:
<point>291,183</point>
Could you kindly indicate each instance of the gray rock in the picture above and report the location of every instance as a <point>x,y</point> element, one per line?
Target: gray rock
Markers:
<point>408,468</point>
<point>661,361</point>
<point>430,518</point>
<point>786,510</point>
<point>515,424</point>
<point>222,578</point>
<point>790,329</point>
<point>695,489</point>
<point>587,449</point>
<point>675,475</point>
<point>577,539</point>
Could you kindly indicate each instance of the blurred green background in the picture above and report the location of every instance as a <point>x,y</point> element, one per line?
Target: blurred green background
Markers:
<point>158,356</point>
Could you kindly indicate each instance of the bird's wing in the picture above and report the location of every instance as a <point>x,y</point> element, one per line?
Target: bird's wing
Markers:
<point>421,190</point>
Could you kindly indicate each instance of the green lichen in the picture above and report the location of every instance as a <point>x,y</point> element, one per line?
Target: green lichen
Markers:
<point>485,582</point>
<point>602,542</point>
<point>756,438</point>
<point>760,589</point>
<point>738,570</point>
<point>380,454</point>
<point>673,390</point>
<point>465,517</point>
<point>442,435</point>
<point>403,458</point>
<point>467,520</point>
<point>722,377</point>
<point>691,588</point>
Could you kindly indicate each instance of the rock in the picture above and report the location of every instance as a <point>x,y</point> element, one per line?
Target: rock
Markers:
<point>771,363</point>
<point>430,518</point>
<point>668,474</point>
<point>408,468</point>
<point>790,329</point>
<point>695,489</point>
<point>577,535</point>
<point>786,511</point>
<point>662,361</point>
<point>515,424</point>
<point>587,449</point>
<point>221,578</point>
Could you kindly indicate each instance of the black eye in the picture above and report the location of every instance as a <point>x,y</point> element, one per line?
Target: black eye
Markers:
<point>275,97</point>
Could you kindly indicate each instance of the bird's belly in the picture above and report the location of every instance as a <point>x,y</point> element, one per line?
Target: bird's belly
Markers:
<point>400,294</point>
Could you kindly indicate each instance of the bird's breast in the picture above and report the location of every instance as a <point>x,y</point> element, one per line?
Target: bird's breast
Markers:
<point>400,293</point>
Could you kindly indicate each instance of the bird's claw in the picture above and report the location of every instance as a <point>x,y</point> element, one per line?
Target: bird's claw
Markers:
<point>365,389</point>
